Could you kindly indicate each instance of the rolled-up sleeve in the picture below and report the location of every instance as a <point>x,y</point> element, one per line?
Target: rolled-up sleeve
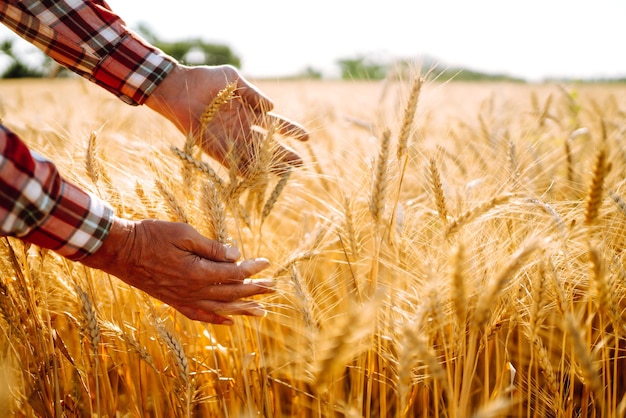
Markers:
<point>91,40</point>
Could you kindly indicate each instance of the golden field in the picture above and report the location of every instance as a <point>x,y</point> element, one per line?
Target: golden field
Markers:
<point>448,250</point>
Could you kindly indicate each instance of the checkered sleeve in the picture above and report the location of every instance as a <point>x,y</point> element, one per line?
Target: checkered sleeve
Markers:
<point>89,39</point>
<point>38,206</point>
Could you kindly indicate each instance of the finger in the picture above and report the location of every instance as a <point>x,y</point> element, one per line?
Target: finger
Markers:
<point>284,159</point>
<point>233,292</point>
<point>286,127</point>
<point>253,97</point>
<point>196,314</point>
<point>225,273</point>
<point>241,307</point>
<point>214,250</point>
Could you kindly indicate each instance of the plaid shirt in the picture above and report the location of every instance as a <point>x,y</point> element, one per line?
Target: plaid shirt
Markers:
<point>36,203</point>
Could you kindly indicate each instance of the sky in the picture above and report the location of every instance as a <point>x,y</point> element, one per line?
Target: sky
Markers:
<point>532,39</point>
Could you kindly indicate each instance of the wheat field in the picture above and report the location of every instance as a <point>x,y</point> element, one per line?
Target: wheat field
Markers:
<point>447,250</point>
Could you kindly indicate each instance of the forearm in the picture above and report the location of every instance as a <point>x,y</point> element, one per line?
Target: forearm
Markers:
<point>38,206</point>
<point>91,40</point>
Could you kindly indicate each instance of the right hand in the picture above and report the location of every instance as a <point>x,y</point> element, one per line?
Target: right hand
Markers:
<point>186,92</point>
<point>177,265</point>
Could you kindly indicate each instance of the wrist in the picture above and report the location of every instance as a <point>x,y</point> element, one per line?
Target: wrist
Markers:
<point>174,85</point>
<point>115,246</point>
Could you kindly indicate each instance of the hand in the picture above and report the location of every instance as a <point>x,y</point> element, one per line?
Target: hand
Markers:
<point>186,92</point>
<point>175,264</point>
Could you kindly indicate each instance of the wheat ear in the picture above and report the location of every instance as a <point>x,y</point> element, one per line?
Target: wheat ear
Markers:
<point>409,116</point>
<point>271,201</point>
<point>91,328</point>
<point>177,351</point>
<point>585,358</point>
<point>477,211</point>
<point>487,298</point>
<point>343,342</point>
<point>223,96</point>
<point>437,187</point>
<point>377,198</point>
<point>177,213</point>
<point>201,166</point>
<point>214,211</point>
<point>91,161</point>
<point>594,195</point>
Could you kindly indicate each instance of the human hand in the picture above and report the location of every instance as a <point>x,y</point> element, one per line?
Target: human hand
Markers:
<point>175,264</point>
<point>186,92</point>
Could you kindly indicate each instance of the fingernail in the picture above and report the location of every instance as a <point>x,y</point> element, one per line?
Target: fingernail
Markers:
<point>232,253</point>
<point>260,312</point>
<point>262,260</point>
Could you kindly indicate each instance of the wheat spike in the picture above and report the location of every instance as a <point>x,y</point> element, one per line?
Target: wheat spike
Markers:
<point>271,201</point>
<point>91,328</point>
<point>409,116</point>
<point>187,171</point>
<point>91,161</point>
<point>594,195</point>
<point>437,187</point>
<point>584,357</point>
<point>200,166</point>
<point>377,198</point>
<point>177,213</point>
<point>459,293</point>
<point>223,96</point>
<point>477,211</point>
<point>344,341</point>
<point>487,298</point>
<point>350,230</point>
<point>215,212</point>
<point>570,162</point>
<point>177,351</point>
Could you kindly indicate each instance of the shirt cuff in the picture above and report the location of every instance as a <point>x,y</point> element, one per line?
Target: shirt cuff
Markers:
<point>133,69</point>
<point>76,227</point>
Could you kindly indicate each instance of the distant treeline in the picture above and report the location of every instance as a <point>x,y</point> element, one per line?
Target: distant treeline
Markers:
<point>196,51</point>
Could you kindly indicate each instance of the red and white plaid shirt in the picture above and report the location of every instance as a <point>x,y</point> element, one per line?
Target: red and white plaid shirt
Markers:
<point>36,203</point>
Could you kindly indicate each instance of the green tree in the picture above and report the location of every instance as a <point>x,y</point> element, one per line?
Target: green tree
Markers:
<point>361,68</point>
<point>194,51</point>
<point>18,68</point>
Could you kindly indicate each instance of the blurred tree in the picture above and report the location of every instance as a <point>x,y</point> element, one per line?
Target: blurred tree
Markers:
<point>17,68</point>
<point>361,68</point>
<point>193,51</point>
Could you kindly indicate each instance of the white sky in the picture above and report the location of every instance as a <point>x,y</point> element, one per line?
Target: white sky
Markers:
<point>531,39</point>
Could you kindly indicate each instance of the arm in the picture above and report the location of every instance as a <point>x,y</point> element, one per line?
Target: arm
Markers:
<point>92,41</point>
<point>170,261</point>
<point>153,256</point>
